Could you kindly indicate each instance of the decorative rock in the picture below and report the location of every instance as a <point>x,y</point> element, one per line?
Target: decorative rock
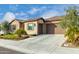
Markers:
<point>66,45</point>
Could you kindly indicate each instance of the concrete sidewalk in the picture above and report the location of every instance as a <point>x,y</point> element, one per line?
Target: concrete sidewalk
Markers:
<point>39,44</point>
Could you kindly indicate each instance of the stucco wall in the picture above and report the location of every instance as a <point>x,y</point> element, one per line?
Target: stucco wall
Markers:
<point>53,28</point>
<point>31,32</point>
<point>16,23</point>
<point>58,29</point>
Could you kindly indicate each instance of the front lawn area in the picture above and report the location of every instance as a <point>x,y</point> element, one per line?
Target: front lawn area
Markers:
<point>17,35</point>
<point>13,37</point>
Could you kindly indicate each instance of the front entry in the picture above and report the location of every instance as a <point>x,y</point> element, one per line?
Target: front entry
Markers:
<point>40,28</point>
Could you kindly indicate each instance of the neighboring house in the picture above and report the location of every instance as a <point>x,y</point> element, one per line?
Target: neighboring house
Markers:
<point>38,26</point>
<point>16,24</point>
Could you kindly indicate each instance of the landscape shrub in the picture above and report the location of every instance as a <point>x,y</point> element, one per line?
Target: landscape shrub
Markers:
<point>18,35</point>
<point>20,32</point>
<point>9,36</point>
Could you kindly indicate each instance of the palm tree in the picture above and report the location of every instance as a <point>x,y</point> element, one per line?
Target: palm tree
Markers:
<point>70,23</point>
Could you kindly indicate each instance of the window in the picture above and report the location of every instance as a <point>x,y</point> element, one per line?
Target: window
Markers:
<point>31,26</point>
<point>13,27</point>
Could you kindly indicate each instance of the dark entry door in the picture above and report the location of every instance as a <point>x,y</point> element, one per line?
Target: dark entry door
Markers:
<point>40,28</point>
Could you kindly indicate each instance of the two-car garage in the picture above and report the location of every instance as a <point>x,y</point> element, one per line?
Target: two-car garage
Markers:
<point>51,26</point>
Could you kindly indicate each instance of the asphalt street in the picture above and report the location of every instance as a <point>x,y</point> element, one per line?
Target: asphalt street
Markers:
<point>8,51</point>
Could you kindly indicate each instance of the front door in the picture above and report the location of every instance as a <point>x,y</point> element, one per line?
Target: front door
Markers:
<point>40,29</point>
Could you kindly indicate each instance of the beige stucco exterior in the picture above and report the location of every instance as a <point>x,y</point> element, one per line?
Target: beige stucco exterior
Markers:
<point>58,29</point>
<point>54,28</point>
<point>41,27</point>
<point>31,32</point>
<point>16,23</point>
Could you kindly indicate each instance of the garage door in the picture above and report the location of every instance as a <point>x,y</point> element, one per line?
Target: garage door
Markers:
<point>50,29</point>
<point>53,29</point>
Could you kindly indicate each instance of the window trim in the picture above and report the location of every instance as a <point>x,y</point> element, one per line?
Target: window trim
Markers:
<point>32,25</point>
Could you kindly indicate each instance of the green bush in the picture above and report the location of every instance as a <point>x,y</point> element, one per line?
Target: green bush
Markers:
<point>9,36</point>
<point>13,37</point>
<point>18,35</point>
<point>20,32</point>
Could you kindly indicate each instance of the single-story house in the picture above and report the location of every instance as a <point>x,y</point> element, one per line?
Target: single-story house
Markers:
<point>38,26</point>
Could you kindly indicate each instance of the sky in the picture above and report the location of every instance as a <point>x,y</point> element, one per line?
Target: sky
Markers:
<point>27,11</point>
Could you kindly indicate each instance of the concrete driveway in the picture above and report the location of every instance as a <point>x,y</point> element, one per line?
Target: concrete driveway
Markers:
<point>39,44</point>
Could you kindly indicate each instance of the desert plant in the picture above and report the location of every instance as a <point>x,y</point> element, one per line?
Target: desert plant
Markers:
<point>70,23</point>
<point>20,32</point>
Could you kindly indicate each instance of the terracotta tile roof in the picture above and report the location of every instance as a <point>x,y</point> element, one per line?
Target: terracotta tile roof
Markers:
<point>21,21</point>
<point>28,20</point>
<point>35,19</point>
<point>56,18</point>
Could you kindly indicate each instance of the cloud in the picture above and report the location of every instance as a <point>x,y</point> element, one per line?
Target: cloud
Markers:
<point>20,13</point>
<point>9,16</point>
<point>51,13</point>
<point>33,10</point>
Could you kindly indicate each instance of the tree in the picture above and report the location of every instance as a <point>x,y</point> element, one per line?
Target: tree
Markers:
<point>5,26</point>
<point>20,32</point>
<point>70,23</point>
<point>0,27</point>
